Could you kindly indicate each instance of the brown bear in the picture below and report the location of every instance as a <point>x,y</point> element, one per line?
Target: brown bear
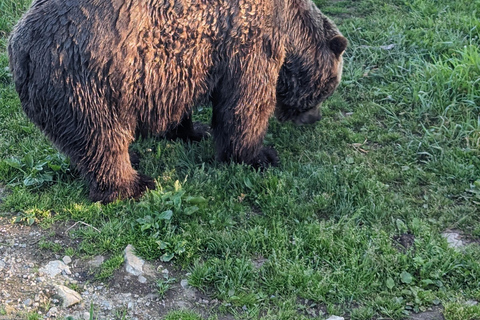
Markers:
<point>92,74</point>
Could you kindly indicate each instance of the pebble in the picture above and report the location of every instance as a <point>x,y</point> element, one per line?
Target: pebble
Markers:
<point>54,268</point>
<point>142,279</point>
<point>96,261</point>
<point>67,259</point>
<point>52,312</point>
<point>184,283</point>
<point>69,296</point>
<point>133,264</point>
<point>335,318</point>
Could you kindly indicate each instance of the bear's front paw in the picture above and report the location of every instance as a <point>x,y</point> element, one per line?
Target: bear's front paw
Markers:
<point>267,157</point>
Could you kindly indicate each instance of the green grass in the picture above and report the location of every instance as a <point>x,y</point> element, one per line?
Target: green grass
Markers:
<point>396,153</point>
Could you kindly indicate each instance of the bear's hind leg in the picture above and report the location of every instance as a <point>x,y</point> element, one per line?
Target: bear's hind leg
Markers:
<point>109,170</point>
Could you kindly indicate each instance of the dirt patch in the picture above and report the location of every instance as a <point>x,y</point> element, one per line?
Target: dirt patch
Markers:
<point>404,242</point>
<point>24,288</point>
<point>435,314</point>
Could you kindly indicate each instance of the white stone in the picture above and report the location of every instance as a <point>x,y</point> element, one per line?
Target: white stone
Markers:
<point>69,296</point>
<point>184,283</point>
<point>2,265</point>
<point>453,239</point>
<point>52,312</point>
<point>67,259</point>
<point>53,268</point>
<point>133,264</point>
<point>471,303</point>
<point>142,279</point>
<point>335,318</point>
<point>96,261</point>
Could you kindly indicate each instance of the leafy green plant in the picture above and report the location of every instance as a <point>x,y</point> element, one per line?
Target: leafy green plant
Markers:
<point>38,172</point>
<point>29,217</point>
<point>159,211</point>
<point>164,284</point>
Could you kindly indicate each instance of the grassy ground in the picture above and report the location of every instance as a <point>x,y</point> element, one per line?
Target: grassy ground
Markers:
<point>394,161</point>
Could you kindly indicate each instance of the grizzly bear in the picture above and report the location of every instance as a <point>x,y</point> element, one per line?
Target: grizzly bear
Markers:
<point>92,74</point>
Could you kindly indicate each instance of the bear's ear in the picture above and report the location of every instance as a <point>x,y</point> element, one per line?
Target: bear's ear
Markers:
<point>338,44</point>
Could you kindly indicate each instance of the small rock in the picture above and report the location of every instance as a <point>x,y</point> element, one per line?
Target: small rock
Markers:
<point>106,305</point>
<point>133,264</point>
<point>335,318</point>
<point>184,283</point>
<point>53,268</point>
<point>165,272</point>
<point>69,296</point>
<point>27,302</point>
<point>2,265</point>
<point>96,261</point>
<point>142,279</point>
<point>471,303</point>
<point>453,239</point>
<point>67,259</point>
<point>86,315</point>
<point>52,312</point>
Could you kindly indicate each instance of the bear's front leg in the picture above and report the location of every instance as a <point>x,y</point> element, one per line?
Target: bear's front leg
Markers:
<point>241,109</point>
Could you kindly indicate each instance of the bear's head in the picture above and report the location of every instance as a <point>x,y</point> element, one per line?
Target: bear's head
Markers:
<point>308,76</point>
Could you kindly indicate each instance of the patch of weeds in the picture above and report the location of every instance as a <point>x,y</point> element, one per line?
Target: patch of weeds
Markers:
<point>163,285</point>
<point>69,252</point>
<point>474,192</point>
<point>33,316</point>
<point>183,315</point>
<point>92,312</point>
<point>121,314</point>
<point>2,311</point>
<point>362,313</point>
<point>157,211</point>
<point>29,217</point>
<point>38,172</point>
<point>459,310</point>
<point>108,267</point>
<point>50,246</point>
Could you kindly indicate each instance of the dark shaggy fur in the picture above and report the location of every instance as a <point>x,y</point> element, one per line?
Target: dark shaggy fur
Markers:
<point>91,74</point>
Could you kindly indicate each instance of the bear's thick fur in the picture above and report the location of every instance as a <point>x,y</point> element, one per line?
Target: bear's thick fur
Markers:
<point>92,74</point>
